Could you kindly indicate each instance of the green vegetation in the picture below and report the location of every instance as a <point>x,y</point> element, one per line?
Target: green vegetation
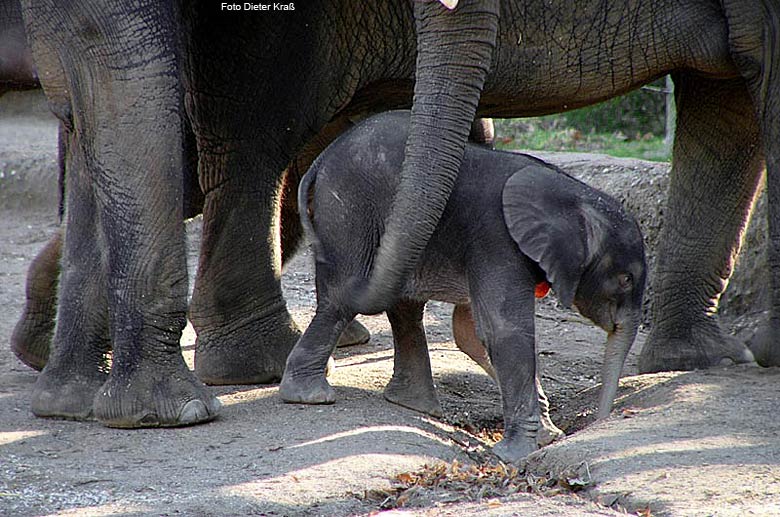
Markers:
<point>628,126</point>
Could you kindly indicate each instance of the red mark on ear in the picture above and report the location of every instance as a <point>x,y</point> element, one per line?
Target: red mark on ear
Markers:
<point>542,288</point>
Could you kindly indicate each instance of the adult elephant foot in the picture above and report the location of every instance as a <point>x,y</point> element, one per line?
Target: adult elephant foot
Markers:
<point>33,333</point>
<point>252,352</point>
<point>704,346</point>
<point>354,334</point>
<point>61,393</point>
<point>765,343</point>
<point>155,397</point>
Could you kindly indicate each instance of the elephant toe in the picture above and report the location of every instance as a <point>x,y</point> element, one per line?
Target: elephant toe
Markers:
<point>30,342</point>
<point>413,395</point>
<point>706,346</point>
<point>765,344</point>
<point>306,390</point>
<point>251,354</point>
<point>514,451</point>
<point>354,334</point>
<point>155,398</point>
<point>196,411</point>
<point>59,393</point>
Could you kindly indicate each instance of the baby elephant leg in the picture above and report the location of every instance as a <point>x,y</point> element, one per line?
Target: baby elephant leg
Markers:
<point>412,383</point>
<point>466,338</point>
<point>503,305</point>
<point>304,375</point>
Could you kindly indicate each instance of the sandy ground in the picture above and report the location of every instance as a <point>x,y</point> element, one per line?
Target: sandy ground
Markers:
<point>698,443</point>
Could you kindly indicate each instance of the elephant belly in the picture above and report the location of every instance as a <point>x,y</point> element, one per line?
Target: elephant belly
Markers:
<point>444,282</point>
<point>562,55</point>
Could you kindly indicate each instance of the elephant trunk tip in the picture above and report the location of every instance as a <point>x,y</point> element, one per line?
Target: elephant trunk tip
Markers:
<point>619,342</point>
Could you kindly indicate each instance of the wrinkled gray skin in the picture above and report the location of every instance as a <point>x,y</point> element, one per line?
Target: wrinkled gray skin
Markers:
<point>33,333</point>
<point>511,222</point>
<point>17,71</point>
<point>259,87</point>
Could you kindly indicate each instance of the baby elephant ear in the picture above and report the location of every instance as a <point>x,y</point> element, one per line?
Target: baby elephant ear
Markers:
<point>543,216</point>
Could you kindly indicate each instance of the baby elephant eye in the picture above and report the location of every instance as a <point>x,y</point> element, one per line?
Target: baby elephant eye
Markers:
<point>625,281</point>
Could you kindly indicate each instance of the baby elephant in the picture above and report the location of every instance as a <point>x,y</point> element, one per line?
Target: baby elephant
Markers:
<point>511,223</point>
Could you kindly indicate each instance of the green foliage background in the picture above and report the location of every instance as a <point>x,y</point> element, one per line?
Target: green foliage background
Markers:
<point>633,125</point>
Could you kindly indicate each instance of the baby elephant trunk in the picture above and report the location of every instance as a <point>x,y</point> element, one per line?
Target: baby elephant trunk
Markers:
<point>619,342</point>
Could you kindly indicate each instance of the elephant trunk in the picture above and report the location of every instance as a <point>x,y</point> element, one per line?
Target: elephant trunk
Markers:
<point>454,52</point>
<point>619,342</point>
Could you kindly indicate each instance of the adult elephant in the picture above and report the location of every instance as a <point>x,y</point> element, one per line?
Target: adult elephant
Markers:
<point>258,86</point>
<point>17,71</point>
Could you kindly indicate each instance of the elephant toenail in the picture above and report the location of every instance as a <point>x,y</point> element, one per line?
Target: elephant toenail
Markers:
<point>150,420</point>
<point>196,411</point>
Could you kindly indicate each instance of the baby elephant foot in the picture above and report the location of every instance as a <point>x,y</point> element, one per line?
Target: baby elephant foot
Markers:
<point>155,397</point>
<point>61,393</point>
<point>300,389</point>
<point>518,442</point>
<point>419,396</point>
<point>765,343</point>
<point>354,334</point>
<point>707,346</point>
<point>514,450</point>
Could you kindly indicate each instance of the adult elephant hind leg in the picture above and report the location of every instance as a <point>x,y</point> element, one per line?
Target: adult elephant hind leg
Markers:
<point>245,331</point>
<point>149,385</point>
<point>412,383</point>
<point>123,267</point>
<point>33,333</point>
<point>715,176</point>
<point>77,366</point>
<point>761,64</point>
<point>465,335</point>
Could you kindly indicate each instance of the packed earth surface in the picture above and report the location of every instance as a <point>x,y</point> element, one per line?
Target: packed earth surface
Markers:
<point>678,443</point>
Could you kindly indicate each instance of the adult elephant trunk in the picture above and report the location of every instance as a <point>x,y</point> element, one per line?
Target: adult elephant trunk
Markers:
<point>454,52</point>
<point>619,342</point>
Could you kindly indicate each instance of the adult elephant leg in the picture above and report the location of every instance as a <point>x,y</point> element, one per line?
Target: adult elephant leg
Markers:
<point>754,35</point>
<point>32,335</point>
<point>715,176</point>
<point>77,366</point>
<point>124,216</point>
<point>244,329</point>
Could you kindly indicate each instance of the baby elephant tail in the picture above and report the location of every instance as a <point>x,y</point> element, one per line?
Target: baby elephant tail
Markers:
<point>304,193</point>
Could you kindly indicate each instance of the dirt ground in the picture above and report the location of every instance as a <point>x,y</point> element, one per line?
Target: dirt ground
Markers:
<point>694,443</point>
